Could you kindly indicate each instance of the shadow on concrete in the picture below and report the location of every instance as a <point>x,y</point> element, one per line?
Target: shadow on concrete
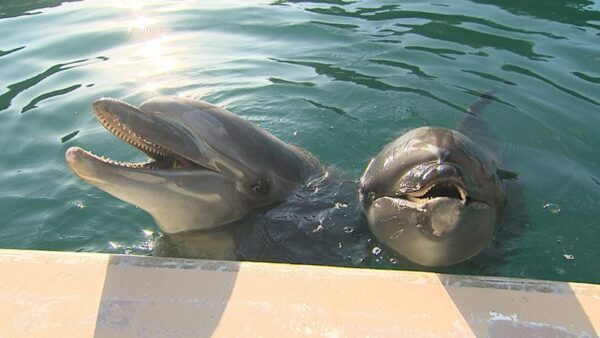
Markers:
<point>518,307</point>
<point>150,296</point>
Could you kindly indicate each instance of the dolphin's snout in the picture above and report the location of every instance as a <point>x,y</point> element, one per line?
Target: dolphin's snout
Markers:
<point>447,170</point>
<point>103,104</point>
<point>79,161</point>
<point>72,155</point>
<point>97,104</point>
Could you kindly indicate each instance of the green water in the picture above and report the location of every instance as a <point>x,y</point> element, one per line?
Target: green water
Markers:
<point>338,78</point>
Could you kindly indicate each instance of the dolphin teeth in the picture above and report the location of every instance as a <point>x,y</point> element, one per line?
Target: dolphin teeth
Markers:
<point>126,134</point>
<point>150,164</point>
<point>448,189</point>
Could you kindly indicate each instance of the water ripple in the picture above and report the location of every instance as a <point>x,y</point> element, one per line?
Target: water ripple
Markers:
<point>9,9</point>
<point>489,77</point>
<point>573,13</point>
<point>441,52</point>
<point>395,12</point>
<point>8,52</point>
<point>336,110</point>
<point>475,39</point>
<point>413,69</point>
<point>58,92</point>
<point>527,72</point>
<point>287,82</point>
<point>341,74</point>
<point>588,78</point>
<point>19,87</point>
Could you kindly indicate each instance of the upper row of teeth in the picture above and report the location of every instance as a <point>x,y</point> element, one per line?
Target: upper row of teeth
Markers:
<point>419,194</point>
<point>132,138</point>
<point>422,192</point>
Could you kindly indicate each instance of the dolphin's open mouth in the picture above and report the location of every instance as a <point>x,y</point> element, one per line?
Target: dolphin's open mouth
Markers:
<point>449,189</point>
<point>160,156</point>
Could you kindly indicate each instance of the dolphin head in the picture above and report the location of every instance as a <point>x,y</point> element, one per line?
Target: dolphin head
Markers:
<point>208,167</point>
<point>432,196</point>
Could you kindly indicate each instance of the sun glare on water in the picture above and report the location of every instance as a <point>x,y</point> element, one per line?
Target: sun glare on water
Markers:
<point>152,56</point>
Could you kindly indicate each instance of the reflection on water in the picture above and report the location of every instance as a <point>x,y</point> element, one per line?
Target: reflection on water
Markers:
<point>339,78</point>
<point>151,56</point>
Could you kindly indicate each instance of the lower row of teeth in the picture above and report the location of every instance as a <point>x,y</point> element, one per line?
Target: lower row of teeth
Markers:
<point>124,164</point>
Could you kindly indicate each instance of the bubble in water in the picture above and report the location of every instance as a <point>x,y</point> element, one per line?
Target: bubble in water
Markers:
<point>79,205</point>
<point>341,205</point>
<point>318,228</point>
<point>295,133</point>
<point>569,257</point>
<point>148,233</point>
<point>141,248</point>
<point>376,251</point>
<point>393,261</point>
<point>553,208</point>
<point>348,230</point>
<point>113,245</point>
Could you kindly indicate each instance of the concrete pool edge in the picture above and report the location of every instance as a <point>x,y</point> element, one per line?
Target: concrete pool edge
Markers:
<point>90,294</point>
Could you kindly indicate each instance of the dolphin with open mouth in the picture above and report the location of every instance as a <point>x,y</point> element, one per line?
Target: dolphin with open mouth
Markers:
<point>208,167</point>
<point>433,195</point>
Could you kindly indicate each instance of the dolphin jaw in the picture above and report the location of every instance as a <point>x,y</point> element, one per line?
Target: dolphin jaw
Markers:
<point>160,157</point>
<point>111,123</point>
<point>453,189</point>
<point>73,153</point>
<point>448,192</point>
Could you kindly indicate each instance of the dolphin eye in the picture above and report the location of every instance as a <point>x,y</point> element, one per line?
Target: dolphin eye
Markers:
<point>261,187</point>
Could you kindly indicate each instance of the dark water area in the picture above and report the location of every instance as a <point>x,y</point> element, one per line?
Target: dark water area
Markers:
<point>340,79</point>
